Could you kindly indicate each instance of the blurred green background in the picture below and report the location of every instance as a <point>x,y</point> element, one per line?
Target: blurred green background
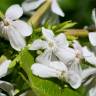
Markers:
<point>75,10</point>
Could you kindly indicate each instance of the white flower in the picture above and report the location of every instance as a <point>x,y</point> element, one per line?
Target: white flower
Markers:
<point>94,16</point>
<point>56,48</point>
<point>7,87</point>
<point>92,91</point>
<point>59,70</point>
<point>13,29</point>
<point>92,38</point>
<point>50,44</point>
<point>86,73</point>
<point>29,6</point>
<point>89,56</point>
<point>92,35</point>
<point>4,68</point>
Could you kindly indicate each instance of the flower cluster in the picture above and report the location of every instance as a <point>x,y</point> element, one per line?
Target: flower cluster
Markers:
<point>59,58</point>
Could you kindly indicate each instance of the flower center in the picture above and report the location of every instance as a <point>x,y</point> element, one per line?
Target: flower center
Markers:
<point>78,54</point>
<point>6,22</point>
<point>51,44</point>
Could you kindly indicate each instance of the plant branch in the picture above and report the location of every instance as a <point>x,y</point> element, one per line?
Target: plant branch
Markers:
<point>35,19</point>
<point>76,32</point>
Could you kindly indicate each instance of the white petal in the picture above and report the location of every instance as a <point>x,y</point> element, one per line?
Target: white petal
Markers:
<point>32,5</point>
<point>92,38</point>
<point>58,66</point>
<point>1,94</point>
<point>16,40</point>
<point>44,57</point>
<point>66,55</point>
<point>88,72</point>
<point>75,66</point>
<point>92,91</point>
<point>48,34</point>
<point>38,44</point>
<point>61,40</point>
<point>6,86</point>
<point>94,16</point>
<point>89,56</point>
<point>14,12</point>
<point>22,27</point>
<point>74,79</point>
<point>43,71</point>
<point>4,68</point>
<point>56,8</point>
<point>77,46</point>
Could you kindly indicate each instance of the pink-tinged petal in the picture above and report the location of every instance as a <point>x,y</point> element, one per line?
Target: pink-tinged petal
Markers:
<point>14,12</point>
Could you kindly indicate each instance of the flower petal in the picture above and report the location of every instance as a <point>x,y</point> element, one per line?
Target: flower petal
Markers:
<point>61,40</point>
<point>66,55</point>
<point>92,38</point>
<point>76,67</point>
<point>56,8</point>
<point>48,34</point>
<point>94,16</point>
<point>4,68</point>
<point>44,57</point>
<point>16,40</point>
<point>77,46</point>
<point>58,66</point>
<point>74,79</point>
<point>1,94</point>
<point>89,56</point>
<point>38,44</point>
<point>8,87</point>
<point>22,27</point>
<point>43,71</point>
<point>92,91</point>
<point>30,6</point>
<point>88,72</point>
<point>14,12</point>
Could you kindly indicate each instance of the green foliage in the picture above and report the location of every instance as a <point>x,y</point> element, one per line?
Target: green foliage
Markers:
<point>4,4</point>
<point>46,87</point>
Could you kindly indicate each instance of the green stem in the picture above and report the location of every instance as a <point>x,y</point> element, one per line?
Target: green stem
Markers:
<point>76,32</point>
<point>35,19</point>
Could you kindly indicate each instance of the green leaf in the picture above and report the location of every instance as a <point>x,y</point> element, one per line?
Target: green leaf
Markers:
<point>46,87</point>
<point>26,60</point>
<point>4,4</point>
<point>14,62</point>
